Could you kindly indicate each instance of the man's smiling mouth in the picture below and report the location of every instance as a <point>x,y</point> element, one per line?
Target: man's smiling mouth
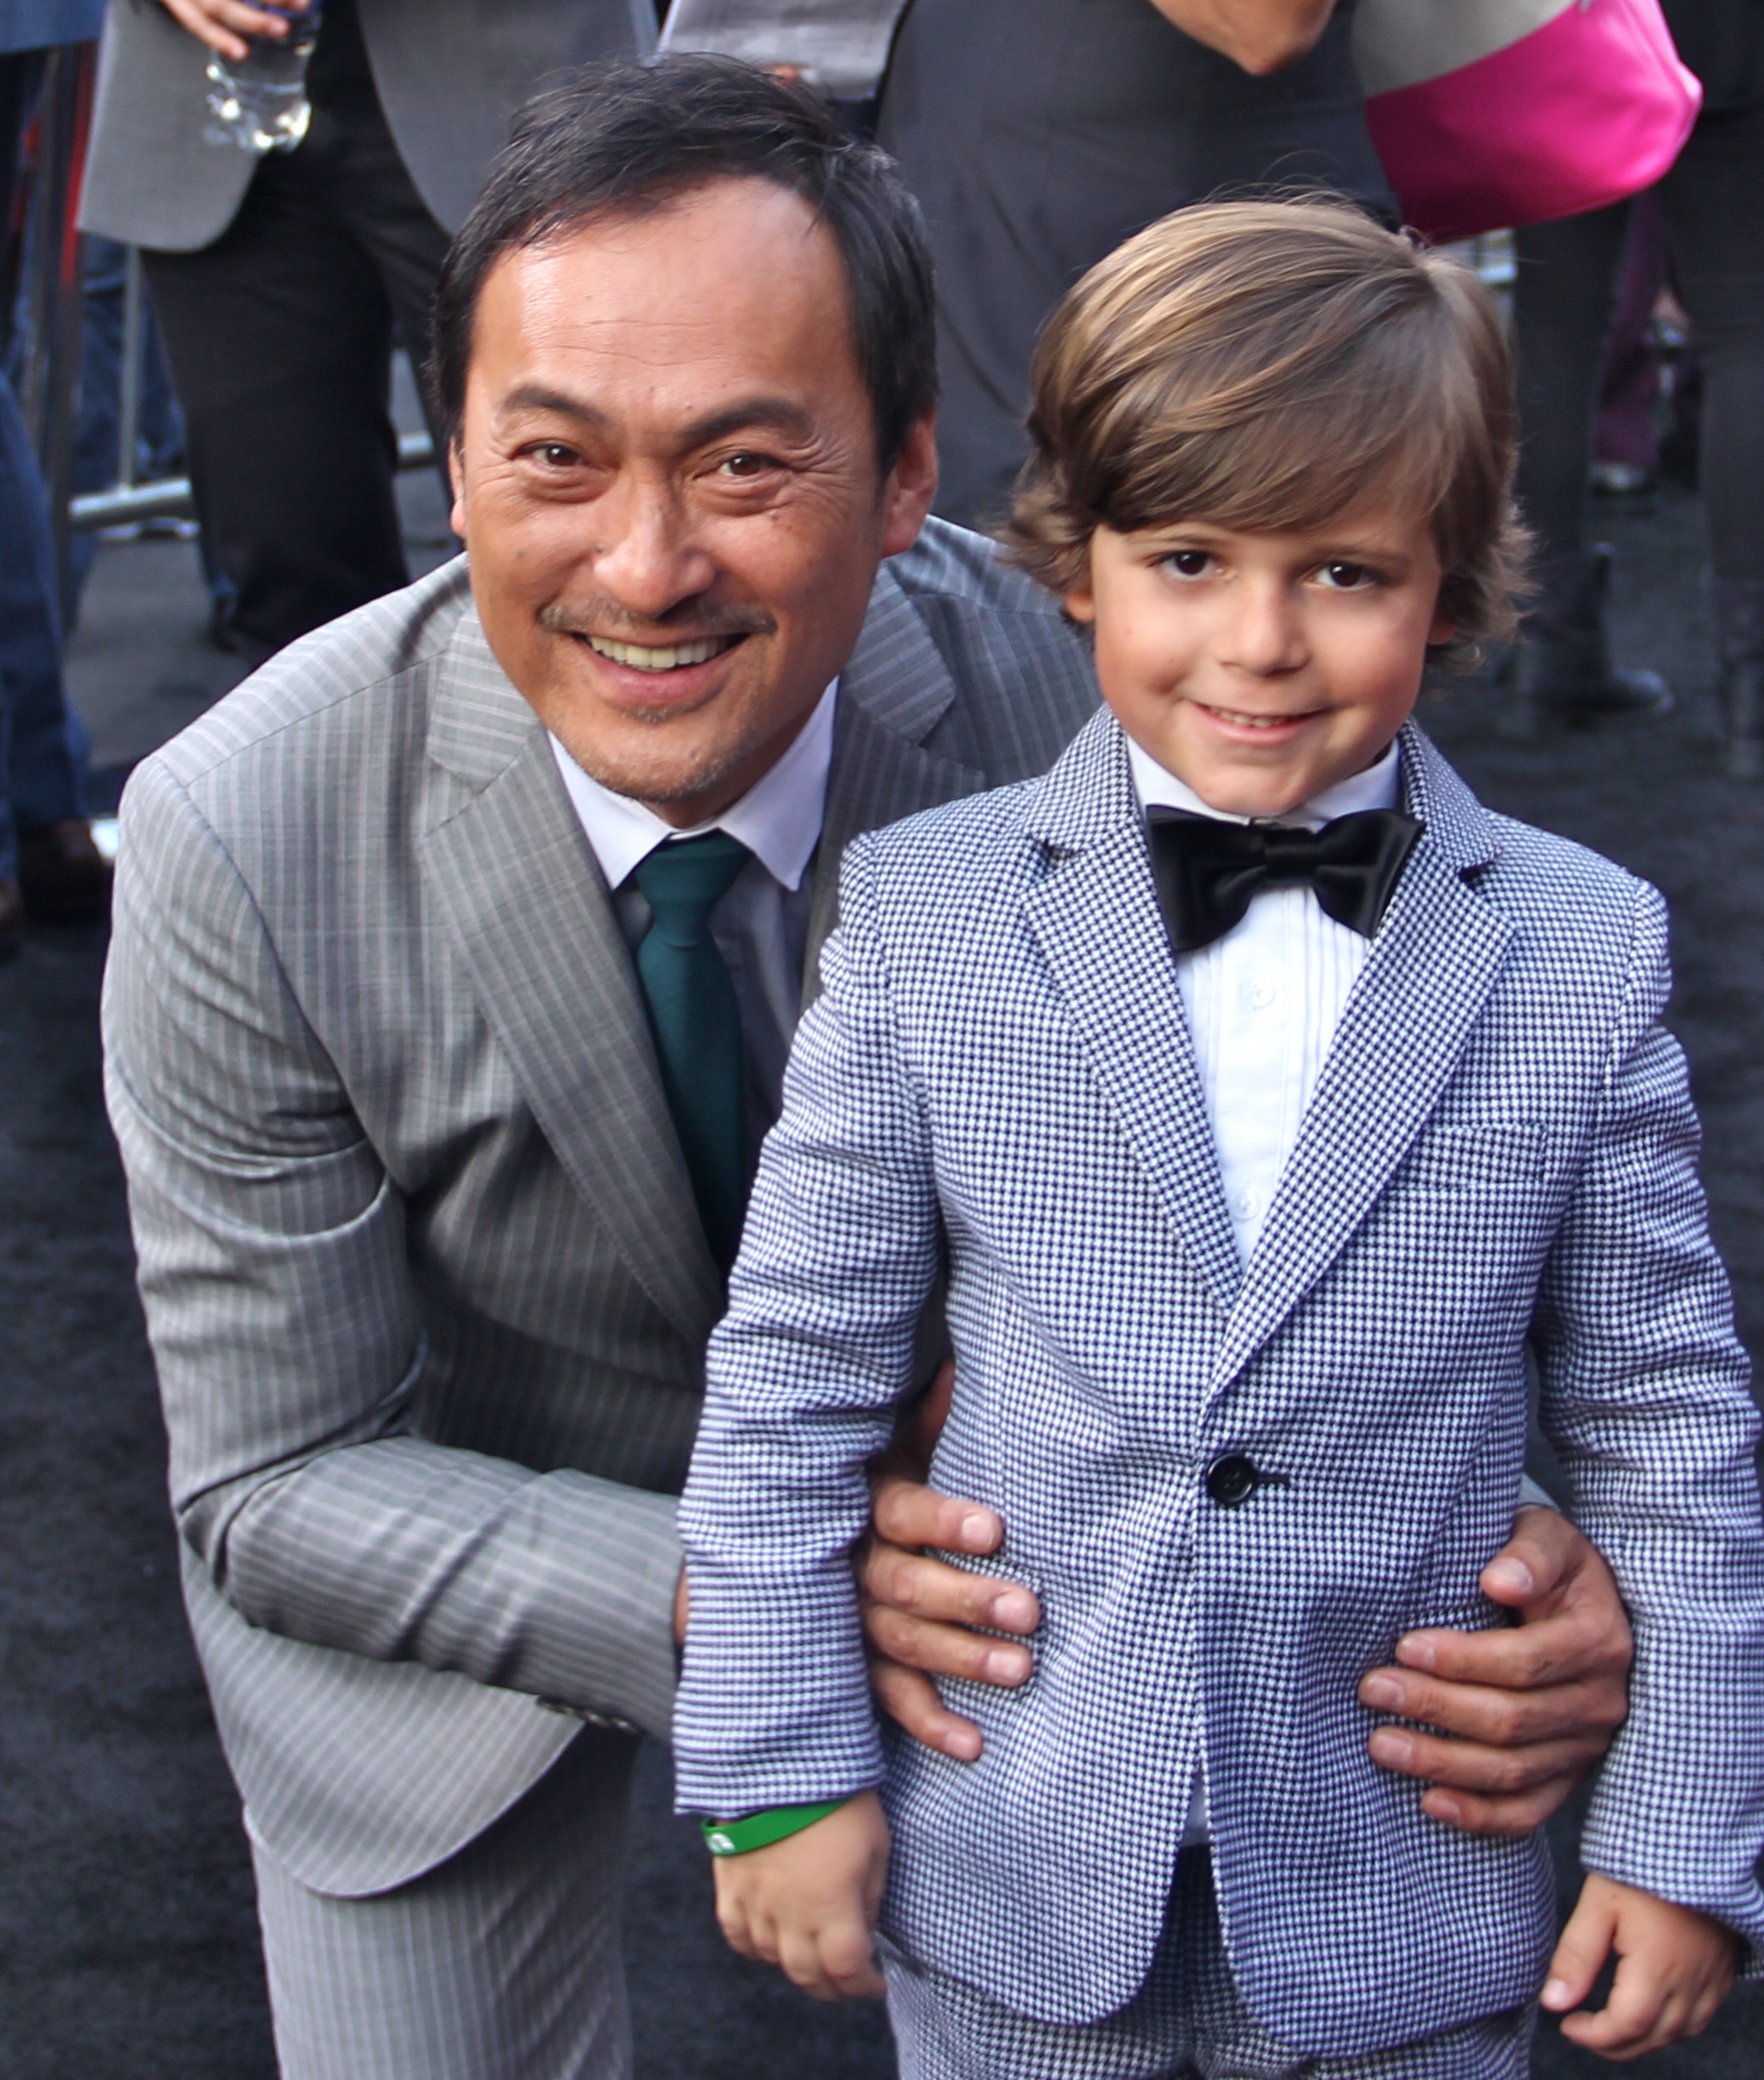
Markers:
<point>645,657</point>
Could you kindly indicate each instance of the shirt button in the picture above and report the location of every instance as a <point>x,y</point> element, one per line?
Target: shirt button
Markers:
<point>1246,1205</point>
<point>1258,993</point>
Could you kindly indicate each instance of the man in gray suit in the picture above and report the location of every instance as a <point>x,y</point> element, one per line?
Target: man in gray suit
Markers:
<point>456,956</point>
<point>282,284</point>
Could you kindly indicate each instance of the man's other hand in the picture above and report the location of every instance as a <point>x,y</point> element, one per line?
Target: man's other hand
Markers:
<point>224,25</point>
<point>1525,1711</point>
<point>920,1614</point>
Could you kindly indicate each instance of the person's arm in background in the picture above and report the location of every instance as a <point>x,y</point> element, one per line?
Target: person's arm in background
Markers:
<point>224,25</point>
<point>1260,35</point>
<point>1522,1713</point>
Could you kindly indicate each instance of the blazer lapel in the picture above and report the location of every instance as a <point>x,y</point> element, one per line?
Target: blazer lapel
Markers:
<point>529,913</point>
<point>1431,968</point>
<point>1095,918</point>
<point>895,691</point>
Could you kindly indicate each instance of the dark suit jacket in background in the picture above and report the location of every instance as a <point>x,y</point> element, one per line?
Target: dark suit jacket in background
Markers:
<point>1039,133</point>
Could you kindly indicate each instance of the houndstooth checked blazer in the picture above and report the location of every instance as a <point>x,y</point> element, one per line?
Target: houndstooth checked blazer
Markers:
<point>422,1274</point>
<point>1501,1148</point>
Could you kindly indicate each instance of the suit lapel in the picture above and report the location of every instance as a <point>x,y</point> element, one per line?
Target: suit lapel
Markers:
<point>527,911</point>
<point>1095,918</point>
<point>1431,968</point>
<point>895,691</point>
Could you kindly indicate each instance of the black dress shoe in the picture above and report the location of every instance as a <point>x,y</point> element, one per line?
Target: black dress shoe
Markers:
<point>1561,670</point>
<point>12,919</point>
<point>65,878</point>
<point>1575,686</point>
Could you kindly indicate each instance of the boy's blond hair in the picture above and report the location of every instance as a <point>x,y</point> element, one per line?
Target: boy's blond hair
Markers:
<point>1261,366</point>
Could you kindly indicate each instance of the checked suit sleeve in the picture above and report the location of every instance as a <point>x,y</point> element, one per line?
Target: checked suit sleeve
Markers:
<point>838,1256</point>
<point>288,1334</point>
<point>1644,1397</point>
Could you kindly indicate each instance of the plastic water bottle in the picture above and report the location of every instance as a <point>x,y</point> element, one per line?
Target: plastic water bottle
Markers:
<point>259,102</point>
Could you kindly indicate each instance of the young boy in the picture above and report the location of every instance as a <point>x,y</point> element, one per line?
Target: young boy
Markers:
<point>1263,1098</point>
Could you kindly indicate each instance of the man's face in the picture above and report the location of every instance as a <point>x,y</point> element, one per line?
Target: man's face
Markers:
<point>666,480</point>
<point>1262,669</point>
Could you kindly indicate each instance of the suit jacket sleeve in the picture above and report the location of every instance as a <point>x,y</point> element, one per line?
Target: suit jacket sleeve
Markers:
<point>839,1252</point>
<point>287,1332</point>
<point>1644,1397</point>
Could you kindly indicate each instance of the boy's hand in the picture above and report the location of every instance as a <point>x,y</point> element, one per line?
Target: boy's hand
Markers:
<point>1677,1966</point>
<point>809,1904</point>
<point>1529,1709</point>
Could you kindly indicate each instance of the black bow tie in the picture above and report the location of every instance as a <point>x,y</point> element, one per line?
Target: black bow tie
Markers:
<point>1208,871</point>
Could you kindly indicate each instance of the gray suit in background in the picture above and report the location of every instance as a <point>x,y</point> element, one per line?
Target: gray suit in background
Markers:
<point>423,1272</point>
<point>450,85</point>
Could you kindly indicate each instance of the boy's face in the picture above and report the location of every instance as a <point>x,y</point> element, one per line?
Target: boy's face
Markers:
<point>1262,669</point>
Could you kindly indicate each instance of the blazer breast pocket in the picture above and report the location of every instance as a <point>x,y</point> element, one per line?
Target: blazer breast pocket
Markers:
<point>1498,1159</point>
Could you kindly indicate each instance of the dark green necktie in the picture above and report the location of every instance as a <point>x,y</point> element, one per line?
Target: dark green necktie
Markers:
<point>698,1023</point>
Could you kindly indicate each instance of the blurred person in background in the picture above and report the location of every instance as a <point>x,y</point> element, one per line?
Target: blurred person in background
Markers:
<point>49,867</point>
<point>282,284</point>
<point>1562,307</point>
<point>1038,134</point>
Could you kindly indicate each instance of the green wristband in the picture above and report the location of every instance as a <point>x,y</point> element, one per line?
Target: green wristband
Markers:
<point>760,1830</point>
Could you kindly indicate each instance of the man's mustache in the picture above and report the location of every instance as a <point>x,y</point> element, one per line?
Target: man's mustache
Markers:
<point>614,623</point>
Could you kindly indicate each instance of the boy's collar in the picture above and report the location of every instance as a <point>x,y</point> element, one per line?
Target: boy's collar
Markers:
<point>1089,794</point>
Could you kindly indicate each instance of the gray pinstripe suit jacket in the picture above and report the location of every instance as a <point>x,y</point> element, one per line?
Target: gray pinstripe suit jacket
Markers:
<point>425,1283</point>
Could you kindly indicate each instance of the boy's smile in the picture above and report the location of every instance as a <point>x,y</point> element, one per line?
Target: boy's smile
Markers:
<point>1261,668</point>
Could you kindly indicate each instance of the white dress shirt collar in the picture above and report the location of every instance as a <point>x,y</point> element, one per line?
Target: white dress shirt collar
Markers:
<point>778,818</point>
<point>1379,786</point>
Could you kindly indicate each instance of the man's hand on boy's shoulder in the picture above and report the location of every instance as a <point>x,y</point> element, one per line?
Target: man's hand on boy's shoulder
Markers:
<point>1522,1713</point>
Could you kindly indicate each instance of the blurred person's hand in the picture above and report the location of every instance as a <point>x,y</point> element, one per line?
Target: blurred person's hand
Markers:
<point>1519,1714</point>
<point>1259,36</point>
<point>226,25</point>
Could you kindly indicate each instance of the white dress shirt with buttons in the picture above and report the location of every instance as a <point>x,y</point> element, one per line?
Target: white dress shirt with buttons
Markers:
<point>1263,1001</point>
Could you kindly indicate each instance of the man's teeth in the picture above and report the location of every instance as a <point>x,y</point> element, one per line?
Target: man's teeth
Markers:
<point>641,658</point>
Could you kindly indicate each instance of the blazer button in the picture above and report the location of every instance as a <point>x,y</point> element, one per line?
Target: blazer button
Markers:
<point>1233,1481</point>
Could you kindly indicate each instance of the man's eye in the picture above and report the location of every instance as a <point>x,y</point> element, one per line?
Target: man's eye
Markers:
<point>1189,562</point>
<point>554,454</point>
<point>746,465</point>
<point>1346,576</point>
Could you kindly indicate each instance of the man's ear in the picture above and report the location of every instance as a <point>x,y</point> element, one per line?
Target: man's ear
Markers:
<point>910,487</point>
<point>456,479</point>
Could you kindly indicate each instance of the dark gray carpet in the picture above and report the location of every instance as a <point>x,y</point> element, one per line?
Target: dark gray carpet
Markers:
<point>126,1941</point>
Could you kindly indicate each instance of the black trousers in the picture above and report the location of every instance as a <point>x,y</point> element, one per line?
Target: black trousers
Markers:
<point>1563,303</point>
<point>280,336</point>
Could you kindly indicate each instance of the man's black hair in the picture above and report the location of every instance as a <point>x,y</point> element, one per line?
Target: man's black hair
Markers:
<point>626,136</point>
